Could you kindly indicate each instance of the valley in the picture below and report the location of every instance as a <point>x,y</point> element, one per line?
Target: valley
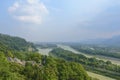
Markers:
<point>55,58</point>
<point>113,60</point>
<point>60,40</point>
<point>94,75</point>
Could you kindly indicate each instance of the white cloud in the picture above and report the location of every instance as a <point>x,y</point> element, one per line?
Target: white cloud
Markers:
<point>32,19</point>
<point>32,11</point>
<point>14,7</point>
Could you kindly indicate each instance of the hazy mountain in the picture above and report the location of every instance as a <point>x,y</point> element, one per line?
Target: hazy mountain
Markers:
<point>112,41</point>
<point>115,40</point>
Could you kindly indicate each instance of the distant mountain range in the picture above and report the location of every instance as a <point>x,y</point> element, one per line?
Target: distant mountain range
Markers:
<point>115,41</point>
<point>112,41</point>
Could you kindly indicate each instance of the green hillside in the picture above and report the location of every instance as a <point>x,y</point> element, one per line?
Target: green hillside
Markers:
<point>18,63</point>
<point>14,43</point>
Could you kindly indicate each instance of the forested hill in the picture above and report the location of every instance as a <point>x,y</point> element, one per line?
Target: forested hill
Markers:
<point>18,63</point>
<point>14,43</point>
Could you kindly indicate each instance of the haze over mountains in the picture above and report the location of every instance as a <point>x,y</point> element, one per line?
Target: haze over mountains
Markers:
<point>63,20</point>
<point>59,39</point>
<point>115,40</point>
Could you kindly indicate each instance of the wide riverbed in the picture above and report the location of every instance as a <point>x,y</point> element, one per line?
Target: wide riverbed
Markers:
<point>94,75</point>
<point>113,60</point>
<point>44,51</point>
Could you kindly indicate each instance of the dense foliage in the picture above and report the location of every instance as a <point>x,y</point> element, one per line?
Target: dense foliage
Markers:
<point>14,43</point>
<point>9,71</point>
<point>93,64</point>
<point>43,68</point>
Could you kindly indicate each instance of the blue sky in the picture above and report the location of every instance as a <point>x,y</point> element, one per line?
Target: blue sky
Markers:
<point>60,20</point>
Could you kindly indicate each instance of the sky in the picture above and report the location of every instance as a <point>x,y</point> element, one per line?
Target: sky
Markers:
<point>60,20</point>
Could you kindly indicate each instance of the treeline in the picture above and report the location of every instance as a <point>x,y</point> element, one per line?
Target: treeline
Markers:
<point>106,68</point>
<point>95,50</point>
<point>14,43</point>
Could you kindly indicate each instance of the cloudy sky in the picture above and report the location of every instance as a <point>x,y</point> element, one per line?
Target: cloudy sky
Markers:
<point>60,20</point>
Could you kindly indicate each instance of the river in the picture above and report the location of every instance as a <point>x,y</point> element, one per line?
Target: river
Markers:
<point>65,47</point>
